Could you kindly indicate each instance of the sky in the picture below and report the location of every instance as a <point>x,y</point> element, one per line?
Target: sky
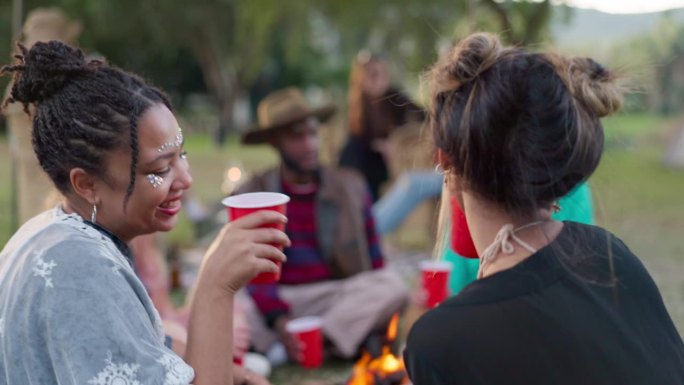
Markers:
<point>627,6</point>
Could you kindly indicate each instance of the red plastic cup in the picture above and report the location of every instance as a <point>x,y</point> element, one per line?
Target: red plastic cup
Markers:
<point>434,280</point>
<point>307,332</point>
<point>244,204</point>
<point>461,240</point>
<point>238,356</point>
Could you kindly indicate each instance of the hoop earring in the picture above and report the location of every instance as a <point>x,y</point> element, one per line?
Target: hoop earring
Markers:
<point>93,214</point>
<point>556,207</point>
<point>439,169</point>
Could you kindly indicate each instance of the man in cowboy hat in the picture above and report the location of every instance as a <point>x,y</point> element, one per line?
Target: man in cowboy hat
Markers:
<point>335,267</point>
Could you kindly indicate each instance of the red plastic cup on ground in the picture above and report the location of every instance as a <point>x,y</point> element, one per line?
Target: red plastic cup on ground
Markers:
<point>238,355</point>
<point>461,240</point>
<point>307,332</point>
<point>434,280</point>
<point>244,204</point>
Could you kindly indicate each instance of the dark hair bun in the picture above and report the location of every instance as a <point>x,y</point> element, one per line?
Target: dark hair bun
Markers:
<point>465,61</point>
<point>595,86</point>
<point>44,69</point>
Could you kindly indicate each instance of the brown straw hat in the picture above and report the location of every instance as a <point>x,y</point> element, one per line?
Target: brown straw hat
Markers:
<point>281,109</point>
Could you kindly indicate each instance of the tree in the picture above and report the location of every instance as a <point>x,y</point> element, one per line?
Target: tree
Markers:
<point>235,44</point>
<point>654,64</point>
<point>522,22</point>
<point>229,40</point>
<point>226,38</point>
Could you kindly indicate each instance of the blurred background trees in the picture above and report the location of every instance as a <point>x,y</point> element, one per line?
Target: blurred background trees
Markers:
<point>217,53</point>
<point>234,49</point>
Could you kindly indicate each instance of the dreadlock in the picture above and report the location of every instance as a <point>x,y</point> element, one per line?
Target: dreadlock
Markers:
<point>84,109</point>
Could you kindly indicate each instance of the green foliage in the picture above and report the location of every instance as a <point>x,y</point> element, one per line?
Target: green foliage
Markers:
<point>627,129</point>
<point>6,32</point>
<point>229,48</point>
<point>653,64</point>
<point>176,43</point>
<point>6,211</point>
<point>521,22</point>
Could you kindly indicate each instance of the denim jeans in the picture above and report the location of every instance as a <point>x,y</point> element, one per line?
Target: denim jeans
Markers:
<point>410,190</point>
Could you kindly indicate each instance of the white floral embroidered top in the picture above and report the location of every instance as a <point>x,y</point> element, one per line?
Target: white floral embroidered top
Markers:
<point>72,311</point>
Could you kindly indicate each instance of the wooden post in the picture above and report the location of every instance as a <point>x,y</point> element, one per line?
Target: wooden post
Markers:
<point>31,188</point>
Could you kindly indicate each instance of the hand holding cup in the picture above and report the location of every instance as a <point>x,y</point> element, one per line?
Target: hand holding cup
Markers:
<point>246,204</point>
<point>244,249</point>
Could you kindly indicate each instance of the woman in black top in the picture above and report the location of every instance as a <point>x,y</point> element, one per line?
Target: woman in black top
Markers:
<point>555,302</point>
<point>375,110</point>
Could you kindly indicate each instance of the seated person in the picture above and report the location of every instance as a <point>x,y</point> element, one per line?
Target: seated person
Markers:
<point>334,267</point>
<point>554,302</point>
<point>72,310</point>
<point>375,110</point>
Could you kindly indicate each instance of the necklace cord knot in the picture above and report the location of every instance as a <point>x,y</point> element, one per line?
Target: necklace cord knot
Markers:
<point>502,243</point>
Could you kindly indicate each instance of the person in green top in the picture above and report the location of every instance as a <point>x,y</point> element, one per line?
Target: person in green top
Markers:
<point>576,206</point>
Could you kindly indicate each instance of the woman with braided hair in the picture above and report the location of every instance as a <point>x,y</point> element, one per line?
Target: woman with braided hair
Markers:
<point>72,310</point>
<point>555,302</point>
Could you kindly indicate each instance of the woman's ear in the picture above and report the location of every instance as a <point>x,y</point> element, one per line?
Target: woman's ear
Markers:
<point>443,160</point>
<point>453,182</point>
<point>83,184</point>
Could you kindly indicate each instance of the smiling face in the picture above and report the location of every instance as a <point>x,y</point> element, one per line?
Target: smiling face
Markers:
<point>161,177</point>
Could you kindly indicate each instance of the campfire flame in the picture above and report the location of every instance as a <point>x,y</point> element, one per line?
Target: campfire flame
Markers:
<point>392,329</point>
<point>386,368</point>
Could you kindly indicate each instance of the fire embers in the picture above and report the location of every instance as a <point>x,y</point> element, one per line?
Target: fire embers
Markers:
<point>383,369</point>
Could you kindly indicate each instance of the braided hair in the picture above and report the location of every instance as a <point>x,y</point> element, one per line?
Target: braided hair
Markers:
<point>84,109</point>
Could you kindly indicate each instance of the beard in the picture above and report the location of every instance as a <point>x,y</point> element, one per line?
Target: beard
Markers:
<point>295,167</point>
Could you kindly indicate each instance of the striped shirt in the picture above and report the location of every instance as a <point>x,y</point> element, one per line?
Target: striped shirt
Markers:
<point>305,261</point>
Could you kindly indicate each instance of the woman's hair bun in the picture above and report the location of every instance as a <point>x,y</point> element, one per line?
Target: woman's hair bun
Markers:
<point>43,70</point>
<point>465,61</point>
<point>595,86</point>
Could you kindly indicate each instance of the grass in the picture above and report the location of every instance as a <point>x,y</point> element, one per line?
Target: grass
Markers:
<point>6,214</point>
<point>641,201</point>
<point>208,163</point>
<point>635,197</point>
<point>628,129</point>
<point>336,372</point>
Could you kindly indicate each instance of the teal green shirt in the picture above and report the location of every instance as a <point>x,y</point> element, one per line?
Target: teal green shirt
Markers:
<point>577,206</point>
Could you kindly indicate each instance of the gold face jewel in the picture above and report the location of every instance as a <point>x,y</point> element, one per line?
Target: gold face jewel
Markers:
<point>155,180</point>
<point>178,141</point>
